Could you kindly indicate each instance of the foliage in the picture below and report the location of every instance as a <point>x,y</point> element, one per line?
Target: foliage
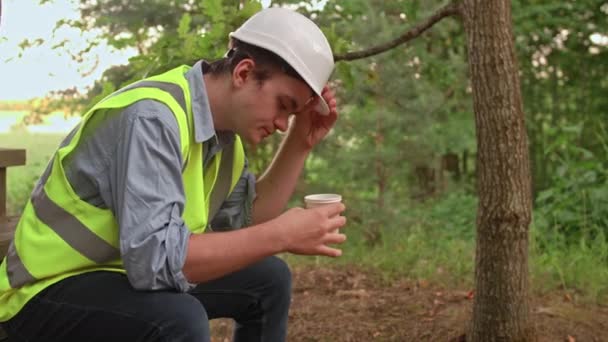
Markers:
<point>581,267</point>
<point>576,206</point>
<point>554,40</point>
<point>570,227</point>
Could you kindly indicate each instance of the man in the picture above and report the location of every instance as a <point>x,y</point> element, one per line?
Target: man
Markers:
<point>110,246</point>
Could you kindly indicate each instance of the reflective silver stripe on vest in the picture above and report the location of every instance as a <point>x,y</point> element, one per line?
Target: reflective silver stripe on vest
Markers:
<point>73,232</point>
<point>18,275</point>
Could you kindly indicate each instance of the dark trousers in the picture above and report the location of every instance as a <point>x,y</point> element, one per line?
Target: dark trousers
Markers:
<point>102,306</point>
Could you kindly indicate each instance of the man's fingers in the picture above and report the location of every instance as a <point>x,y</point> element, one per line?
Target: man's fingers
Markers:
<point>334,238</point>
<point>330,252</point>
<point>332,103</point>
<point>336,222</point>
<point>333,209</point>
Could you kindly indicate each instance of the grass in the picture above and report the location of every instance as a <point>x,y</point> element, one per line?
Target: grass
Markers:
<point>434,241</point>
<point>21,179</point>
<point>580,267</point>
<point>417,252</point>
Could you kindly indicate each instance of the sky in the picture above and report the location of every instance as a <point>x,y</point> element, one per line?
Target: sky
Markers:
<point>42,69</point>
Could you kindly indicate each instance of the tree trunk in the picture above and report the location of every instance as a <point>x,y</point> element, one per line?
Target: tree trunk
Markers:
<point>501,306</point>
<point>379,162</point>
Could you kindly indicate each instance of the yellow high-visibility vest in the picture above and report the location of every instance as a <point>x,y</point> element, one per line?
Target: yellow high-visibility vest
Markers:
<point>60,235</point>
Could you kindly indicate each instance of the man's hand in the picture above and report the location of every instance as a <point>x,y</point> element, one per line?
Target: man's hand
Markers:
<point>310,126</point>
<point>310,231</point>
<point>298,231</point>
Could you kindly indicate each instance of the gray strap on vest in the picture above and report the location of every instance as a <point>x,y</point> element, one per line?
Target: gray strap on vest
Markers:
<point>221,190</point>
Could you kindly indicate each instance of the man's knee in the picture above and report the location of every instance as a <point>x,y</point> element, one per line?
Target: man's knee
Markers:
<point>278,278</point>
<point>185,320</point>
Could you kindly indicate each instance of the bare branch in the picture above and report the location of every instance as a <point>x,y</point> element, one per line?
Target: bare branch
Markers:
<point>451,9</point>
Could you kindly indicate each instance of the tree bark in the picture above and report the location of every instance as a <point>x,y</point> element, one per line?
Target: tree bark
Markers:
<point>379,156</point>
<point>501,307</point>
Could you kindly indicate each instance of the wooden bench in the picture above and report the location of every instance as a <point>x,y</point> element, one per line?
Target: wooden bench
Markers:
<point>8,157</point>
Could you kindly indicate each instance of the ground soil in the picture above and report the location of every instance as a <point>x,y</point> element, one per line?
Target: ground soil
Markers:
<point>349,304</point>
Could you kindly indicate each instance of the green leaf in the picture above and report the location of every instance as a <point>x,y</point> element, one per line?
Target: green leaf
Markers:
<point>573,128</point>
<point>213,8</point>
<point>411,9</point>
<point>545,195</point>
<point>184,25</point>
<point>562,170</point>
<point>250,8</point>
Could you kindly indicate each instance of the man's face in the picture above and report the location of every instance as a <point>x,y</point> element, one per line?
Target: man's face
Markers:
<point>262,108</point>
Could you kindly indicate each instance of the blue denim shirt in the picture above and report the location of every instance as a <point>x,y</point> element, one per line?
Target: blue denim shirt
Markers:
<point>130,162</point>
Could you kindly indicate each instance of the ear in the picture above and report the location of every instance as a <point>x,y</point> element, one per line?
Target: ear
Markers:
<point>243,72</point>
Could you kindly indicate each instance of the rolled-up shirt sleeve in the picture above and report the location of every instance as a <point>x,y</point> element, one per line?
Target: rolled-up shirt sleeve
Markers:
<point>236,211</point>
<point>148,199</point>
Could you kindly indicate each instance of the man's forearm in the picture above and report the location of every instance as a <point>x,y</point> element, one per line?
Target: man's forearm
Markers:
<point>277,184</point>
<point>212,255</point>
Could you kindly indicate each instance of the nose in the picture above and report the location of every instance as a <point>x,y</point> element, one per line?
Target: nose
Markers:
<point>281,122</point>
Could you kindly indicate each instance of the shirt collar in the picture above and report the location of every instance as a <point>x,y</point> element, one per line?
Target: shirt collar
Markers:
<point>203,119</point>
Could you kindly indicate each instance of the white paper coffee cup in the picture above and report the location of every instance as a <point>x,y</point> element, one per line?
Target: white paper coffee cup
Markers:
<point>317,200</point>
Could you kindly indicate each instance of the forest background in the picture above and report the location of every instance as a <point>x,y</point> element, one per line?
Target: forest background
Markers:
<point>403,154</point>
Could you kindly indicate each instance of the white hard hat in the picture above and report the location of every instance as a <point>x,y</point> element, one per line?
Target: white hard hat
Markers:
<point>296,39</point>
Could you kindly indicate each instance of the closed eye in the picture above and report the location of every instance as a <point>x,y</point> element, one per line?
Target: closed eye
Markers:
<point>282,106</point>
<point>288,103</point>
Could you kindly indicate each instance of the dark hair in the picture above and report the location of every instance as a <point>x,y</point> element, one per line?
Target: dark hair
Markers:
<point>266,61</point>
